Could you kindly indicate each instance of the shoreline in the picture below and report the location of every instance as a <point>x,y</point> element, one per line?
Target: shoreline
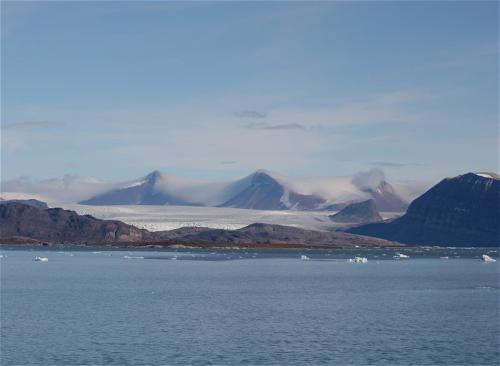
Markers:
<point>198,246</point>
<point>279,247</point>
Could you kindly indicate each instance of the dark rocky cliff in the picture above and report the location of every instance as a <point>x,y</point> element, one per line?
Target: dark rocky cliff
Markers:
<point>460,211</point>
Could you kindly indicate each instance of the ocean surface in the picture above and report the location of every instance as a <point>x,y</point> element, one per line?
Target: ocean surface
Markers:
<point>241,307</point>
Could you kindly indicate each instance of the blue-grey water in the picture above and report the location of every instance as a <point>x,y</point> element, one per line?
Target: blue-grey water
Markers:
<point>248,308</point>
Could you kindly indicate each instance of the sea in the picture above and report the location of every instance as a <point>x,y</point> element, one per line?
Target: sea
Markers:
<point>248,307</point>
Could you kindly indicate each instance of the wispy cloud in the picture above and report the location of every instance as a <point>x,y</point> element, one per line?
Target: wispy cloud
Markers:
<point>390,164</point>
<point>32,125</point>
<point>268,126</point>
<point>251,114</point>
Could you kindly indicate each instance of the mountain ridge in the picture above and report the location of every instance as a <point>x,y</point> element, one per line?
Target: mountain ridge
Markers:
<point>458,211</point>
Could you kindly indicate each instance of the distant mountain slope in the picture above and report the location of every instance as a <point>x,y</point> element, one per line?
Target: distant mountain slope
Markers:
<point>386,199</point>
<point>142,192</point>
<point>265,193</point>
<point>374,183</point>
<point>360,212</point>
<point>459,211</point>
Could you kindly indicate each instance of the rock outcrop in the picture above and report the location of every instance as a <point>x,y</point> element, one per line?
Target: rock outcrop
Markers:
<point>358,213</point>
<point>267,234</point>
<point>55,225</point>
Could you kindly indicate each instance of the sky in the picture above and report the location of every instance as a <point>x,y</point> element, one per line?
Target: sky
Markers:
<point>216,90</point>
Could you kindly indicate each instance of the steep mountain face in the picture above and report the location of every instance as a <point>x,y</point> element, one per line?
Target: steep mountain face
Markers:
<point>358,213</point>
<point>460,211</point>
<point>143,192</point>
<point>29,202</point>
<point>55,225</point>
<point>265,193</point>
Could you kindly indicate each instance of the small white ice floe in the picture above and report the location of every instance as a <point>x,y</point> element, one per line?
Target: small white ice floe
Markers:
<point>400,256</point>
<point>304,257</point>
<point>3,256</point>
<point>41,259</point>
<point>358,260</point>
<point>488,259</point>
<point>445,257</point>
<point>132,257</point>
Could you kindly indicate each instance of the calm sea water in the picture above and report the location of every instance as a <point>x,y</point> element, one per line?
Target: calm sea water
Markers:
<point>85,308</point>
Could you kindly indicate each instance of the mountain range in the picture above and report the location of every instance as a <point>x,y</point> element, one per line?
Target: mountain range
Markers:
<point>261,190</point>
<point>458,211</point>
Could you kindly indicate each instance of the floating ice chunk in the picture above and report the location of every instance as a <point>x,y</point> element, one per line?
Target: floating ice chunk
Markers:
<point>304,257</point>
<point>400,256</point>
<point>41,259</point>
<point>132,257</point>
<point>488,259</point>
<point>358,260</point>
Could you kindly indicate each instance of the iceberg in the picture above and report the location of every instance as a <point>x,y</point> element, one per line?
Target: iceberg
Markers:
<point>304,257</point>
<point>41,259</point>
<point>487,259</point>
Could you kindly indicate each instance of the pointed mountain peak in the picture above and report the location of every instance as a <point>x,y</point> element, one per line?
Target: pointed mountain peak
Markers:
<point>262,172</point>
<point>262,176</point>
<point>153,176</point>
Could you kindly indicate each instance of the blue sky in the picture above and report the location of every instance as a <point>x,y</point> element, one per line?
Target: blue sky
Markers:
<point>217,90</point>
